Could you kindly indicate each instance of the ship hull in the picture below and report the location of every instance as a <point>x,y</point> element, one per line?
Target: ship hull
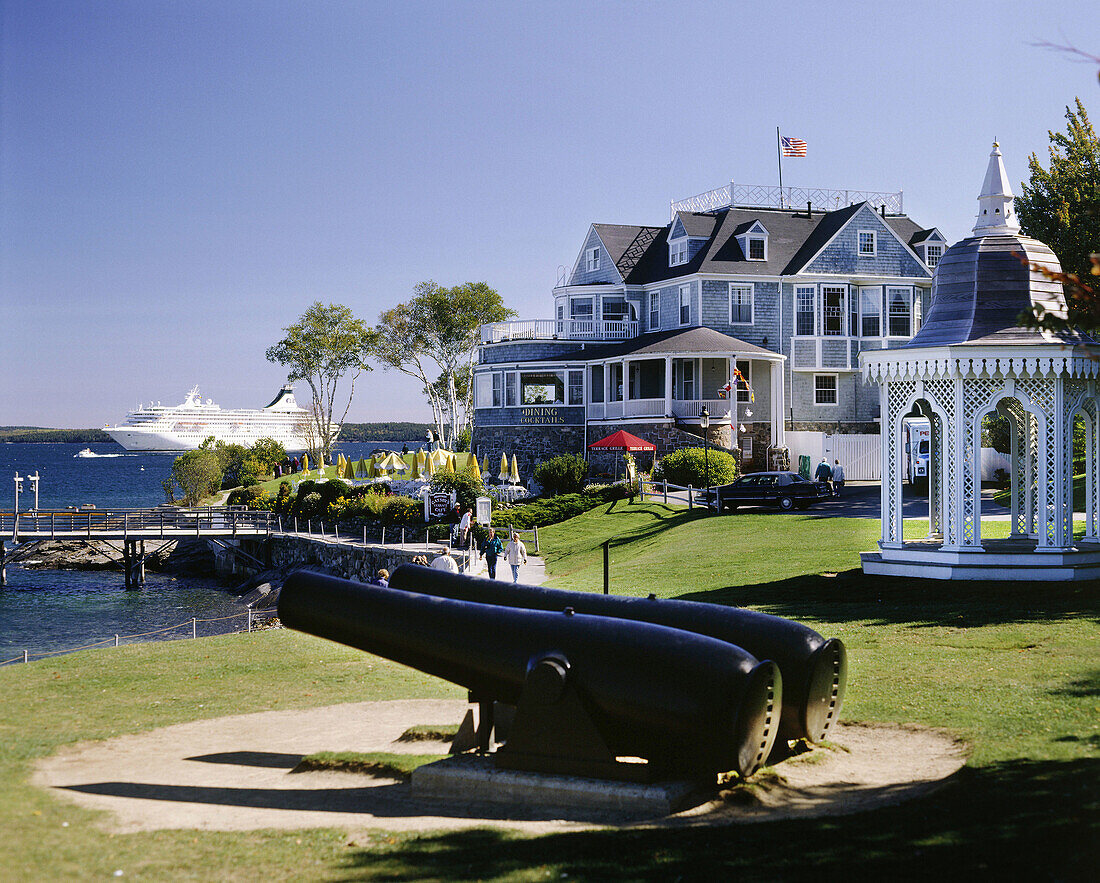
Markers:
<point>133,439</point>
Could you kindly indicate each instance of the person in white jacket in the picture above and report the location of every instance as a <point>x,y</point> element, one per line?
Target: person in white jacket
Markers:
<point>838,478</point>
<point>515,551</point>
<point>445,562</point>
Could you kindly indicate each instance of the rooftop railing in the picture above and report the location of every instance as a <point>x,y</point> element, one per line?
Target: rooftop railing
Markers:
<point>775,197</point>
<point>558,329</point>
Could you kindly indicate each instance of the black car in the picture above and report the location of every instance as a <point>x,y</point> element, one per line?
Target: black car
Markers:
<point>786,490</point>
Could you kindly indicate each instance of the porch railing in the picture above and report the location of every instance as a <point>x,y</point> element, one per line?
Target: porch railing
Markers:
<point>719,409</point>
<point>558,329</point>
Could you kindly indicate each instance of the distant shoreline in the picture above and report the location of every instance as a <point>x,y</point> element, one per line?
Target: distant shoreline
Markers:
<point>350,432</point>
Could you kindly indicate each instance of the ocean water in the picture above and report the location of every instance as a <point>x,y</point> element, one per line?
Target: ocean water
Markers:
<point>52,611</point>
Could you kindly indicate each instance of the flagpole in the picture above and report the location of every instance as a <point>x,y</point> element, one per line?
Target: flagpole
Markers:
<point>779,159</point>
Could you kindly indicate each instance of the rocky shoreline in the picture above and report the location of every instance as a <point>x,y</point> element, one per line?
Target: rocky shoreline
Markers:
<point>188,557</point>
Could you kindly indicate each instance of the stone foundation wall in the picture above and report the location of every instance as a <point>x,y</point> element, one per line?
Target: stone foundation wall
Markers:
<point>833,428</point>
<point>530,444</point>
<point>351,562</point>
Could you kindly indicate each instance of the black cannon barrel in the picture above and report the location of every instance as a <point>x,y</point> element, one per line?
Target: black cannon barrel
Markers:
<point>682,700</point>
<point>814,669</point>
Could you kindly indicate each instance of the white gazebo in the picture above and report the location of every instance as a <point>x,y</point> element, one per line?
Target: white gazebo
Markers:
<point>970,358</point>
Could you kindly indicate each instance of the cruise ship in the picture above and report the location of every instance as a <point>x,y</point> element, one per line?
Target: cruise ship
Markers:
<point>185,426</point>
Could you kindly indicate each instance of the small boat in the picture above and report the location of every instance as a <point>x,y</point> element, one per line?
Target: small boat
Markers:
<point>86,452</point>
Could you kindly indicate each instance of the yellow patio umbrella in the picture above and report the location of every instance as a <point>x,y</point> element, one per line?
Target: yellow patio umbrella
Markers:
<point>513,473</point>
<point>361,468</point>
<point>474,470</point>
<point>485,465</point>
<point>429,467</point>
<point>369,471</point>
<point>390,463</point>
<point>503,476</point>
<point>349,468</point>
<point>414,470</point>
<point>439,457</point>
<point>452,464</point>
<point>305,462</point>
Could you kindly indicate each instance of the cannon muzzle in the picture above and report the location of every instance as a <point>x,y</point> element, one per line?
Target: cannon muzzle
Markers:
<point>815,670</point>
<point>589,690</point>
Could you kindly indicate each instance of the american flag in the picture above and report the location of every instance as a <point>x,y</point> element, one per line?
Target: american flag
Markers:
<point>794,147</point>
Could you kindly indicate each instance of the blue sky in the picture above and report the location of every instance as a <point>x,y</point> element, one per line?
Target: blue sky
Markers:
<point>180,180</point>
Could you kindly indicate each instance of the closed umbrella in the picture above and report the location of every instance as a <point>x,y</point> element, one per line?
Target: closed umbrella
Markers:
<point>429,467</point>
<point>503,476</point>
<point>305,462</point>
<point>349,469</point>
<point>474,470</point>
<point>414,470</point>
<point>513,473</point>
<point>485,464</point>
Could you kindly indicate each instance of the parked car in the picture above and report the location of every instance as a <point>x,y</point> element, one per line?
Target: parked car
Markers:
<point>787,490</point>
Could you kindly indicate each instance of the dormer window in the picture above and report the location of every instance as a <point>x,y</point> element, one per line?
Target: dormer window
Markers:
<point>867,242</point>
<point>754,242</point>
<point>932,255</point>
<point>677,253</point>
<point>592,260</point>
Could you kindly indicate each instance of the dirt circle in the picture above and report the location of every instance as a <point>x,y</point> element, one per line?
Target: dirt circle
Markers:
<point>234,774</point>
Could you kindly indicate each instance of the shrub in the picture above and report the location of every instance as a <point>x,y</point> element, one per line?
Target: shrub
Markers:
<point>688,466</point>
<point>314,498</point>
<point>402,510</point>
<point>562,475</point>
<point>253,497</point>
<point>551,510</point>
<point>465,484</point>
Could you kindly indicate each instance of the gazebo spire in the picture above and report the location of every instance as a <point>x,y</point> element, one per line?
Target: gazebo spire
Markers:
<point>995,211</point>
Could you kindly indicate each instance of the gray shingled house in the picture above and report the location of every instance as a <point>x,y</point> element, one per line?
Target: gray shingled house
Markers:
<point>654,324</point>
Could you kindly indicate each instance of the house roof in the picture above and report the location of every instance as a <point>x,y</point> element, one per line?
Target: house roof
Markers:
<point>626,243</point>
<point>679,341</point>
<point>794,237</point>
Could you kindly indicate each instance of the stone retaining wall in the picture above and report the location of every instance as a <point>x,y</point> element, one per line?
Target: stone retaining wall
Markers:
<point>349,560</point>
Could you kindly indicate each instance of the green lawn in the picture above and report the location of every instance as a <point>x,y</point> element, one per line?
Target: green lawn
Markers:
<point>1012,669</point>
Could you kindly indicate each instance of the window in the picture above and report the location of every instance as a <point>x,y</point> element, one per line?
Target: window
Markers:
<point>689,381</point>
<point>742,388</point>
<point>580,308</point>
<point>614,309</point>
<point>483,390</point>
<point>592,260</point>
<point>832,309</point>
<point>510,389</point>
<point>824,389</point>
<point>933,253</point>
<point>542,388</point>
<point>805,295</point>
<point>870,305</point>
<point>898,316</point>
<point>616,382</point>
<point>756,249</point>
<point>654,310</point>
<point>685,304</point>
<point>576,387</point>
<point>741,303</point>
<point>677,253</point>
<point>866,242</point>
<point>496,390</point>
<point>597,384</point>
<point>918,309</point>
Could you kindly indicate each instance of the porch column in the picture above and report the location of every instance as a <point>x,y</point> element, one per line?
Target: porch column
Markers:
<point>1092,472</point>
<point>606,388</point>
<point>668,386</point>
<point>626,384</point>
<point>779,427</point>
<point>935,478</point>
<point>1016,507</point>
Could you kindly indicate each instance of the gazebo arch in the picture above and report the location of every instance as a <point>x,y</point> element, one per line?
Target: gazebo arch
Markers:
<point>969,359</point>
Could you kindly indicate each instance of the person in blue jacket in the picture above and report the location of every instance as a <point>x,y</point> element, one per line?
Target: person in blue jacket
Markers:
<point>492,548</point>
<point>825,473</point>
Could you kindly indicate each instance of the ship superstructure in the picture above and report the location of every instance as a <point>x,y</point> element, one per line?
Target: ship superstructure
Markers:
<point>184,427</point>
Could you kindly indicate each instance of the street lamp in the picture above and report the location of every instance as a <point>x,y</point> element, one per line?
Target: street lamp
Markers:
<point>33,479</point>
<point>704,423</point>
<point>18,488</point>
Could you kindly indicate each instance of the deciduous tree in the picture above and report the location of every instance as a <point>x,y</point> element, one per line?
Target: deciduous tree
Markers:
<point>433,337</point>
<point>197,474</point>
<point>325,343</point>
<point>1061,207</point>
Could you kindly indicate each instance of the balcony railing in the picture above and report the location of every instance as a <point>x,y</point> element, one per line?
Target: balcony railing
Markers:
<point>558,329</point>
<point>770,196</point>
<point>719,409</point>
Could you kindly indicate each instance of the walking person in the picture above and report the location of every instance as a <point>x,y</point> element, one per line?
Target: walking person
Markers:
<point>492,549</point>
<point>825,474</point>
<point>464,527</point>
<point>514,552</point>
<point>445,562</point>
<point>838,478</point>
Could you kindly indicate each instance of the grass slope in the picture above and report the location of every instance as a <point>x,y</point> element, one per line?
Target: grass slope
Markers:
<point>1013,669</point>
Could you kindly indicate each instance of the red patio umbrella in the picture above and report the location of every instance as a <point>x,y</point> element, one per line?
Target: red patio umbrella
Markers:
<point>623,441</point>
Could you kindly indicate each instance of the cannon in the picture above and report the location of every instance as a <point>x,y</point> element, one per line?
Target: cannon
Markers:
<point>594,695</point>
<point>814,669</point>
